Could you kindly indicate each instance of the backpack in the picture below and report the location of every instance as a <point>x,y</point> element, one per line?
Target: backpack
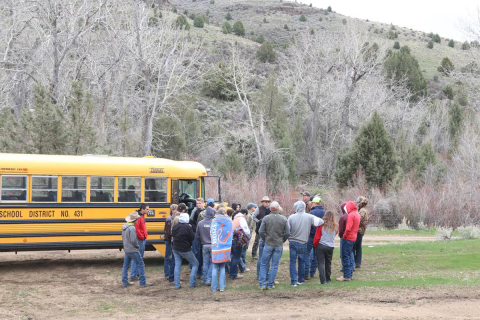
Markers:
<point>240,238</point>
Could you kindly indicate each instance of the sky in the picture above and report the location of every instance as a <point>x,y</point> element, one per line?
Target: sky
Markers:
<point>442,17</point>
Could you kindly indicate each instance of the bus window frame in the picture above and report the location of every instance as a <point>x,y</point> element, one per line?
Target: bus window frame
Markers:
<point>76,176</point>
<point>142,187</point>
<point>26,188</point>
<point>59,187</point>
<point>145,189</point>
<point>90,190</point>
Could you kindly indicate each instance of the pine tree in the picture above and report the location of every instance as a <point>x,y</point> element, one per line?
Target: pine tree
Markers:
<point>455,123</point>
<point>228,16</point>
<point>238,29</point>
<point>446,67</point>
<point>266,53</point>
<point>372,152</point>
<point>227,28</point>
<point>451,43</point>
<point>82,129</point>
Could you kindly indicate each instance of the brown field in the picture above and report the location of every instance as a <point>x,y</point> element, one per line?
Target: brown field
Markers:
<point>87,285</point>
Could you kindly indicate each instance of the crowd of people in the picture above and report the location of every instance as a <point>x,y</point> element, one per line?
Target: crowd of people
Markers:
<point>214,239</point>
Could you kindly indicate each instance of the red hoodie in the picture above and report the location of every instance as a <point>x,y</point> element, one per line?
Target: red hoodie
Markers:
<point>141,229</point>
<point>353,222</point>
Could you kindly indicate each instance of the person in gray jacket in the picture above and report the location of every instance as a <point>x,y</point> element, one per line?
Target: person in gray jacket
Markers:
<point>132,251</point>
<point>300,224</point>
<point>274,231</point>
<point>203,237</point>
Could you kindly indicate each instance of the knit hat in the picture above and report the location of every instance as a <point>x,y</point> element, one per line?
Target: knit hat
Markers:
<point>251,205</point>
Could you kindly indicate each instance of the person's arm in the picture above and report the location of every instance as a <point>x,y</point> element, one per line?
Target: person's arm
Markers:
<point>287,232</point>
<point>316,221</point>
<point>318,236</point>
<point>133,238</point>
<point>262,231</point>
<point>244,226</point>
<point>192,215</point>
<point>191,235</point>
<point>168,229</point>
<point>197,233</point>
<point>255,214</point>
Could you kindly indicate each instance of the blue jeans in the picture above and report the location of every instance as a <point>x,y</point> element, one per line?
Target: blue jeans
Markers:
<point>236,253</point>
<point>171,269</point>
<point>130,259</point>
<point>347,261</point>
<point>274,254</point>
<point>134,272</point>
<point>297,251</point>
<point>197,252</point>
<point>357,250</point>
<point>168,258</point>
<point>207,264</point>
<point>310,259</point>
<point>178,267</point>
<point>261,245</point>
<point>352,256</point>
<point>215,280</point>
<point>243,256</point>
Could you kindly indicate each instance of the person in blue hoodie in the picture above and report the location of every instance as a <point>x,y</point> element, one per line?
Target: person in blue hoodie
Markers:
<point>204,238</point>
<point>318,211</point>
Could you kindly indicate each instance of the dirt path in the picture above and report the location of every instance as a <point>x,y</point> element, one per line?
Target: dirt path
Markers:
<point>86,285</point>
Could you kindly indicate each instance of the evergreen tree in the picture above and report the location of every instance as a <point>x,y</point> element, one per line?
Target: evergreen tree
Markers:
<point>448,91</point>
<point>198,22</point>
<point>396,45</point>
<point>451,43</point>
<point>227,28</point>
<point>465,45</point>
<point>329,9</point>
<point>182,22</point>
<point>238,29</point>
<point>80,110</point>
<point>446,67</point>
<point>455,123</point>
<point>228,16</point>
<point>266,53</point>
<point>303,18</point>
<point>436,38</point>
<point>400,64</point>
<point>372,152</point>
<point>430,44</point>
<point>218,83</point>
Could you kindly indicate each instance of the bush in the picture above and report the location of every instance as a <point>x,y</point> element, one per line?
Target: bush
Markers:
<point>218,83</point>
<point>302,18</point>
<point>329,9</point>
<point>430,44</point>
<point>396,45</point>
<point>469,232</point>
<point>260,39</point>
<point>228,16</point>
<point>344,21</point>
<point>465,46</point>
<point>266,53</point>
<point>451,43</point>
<point>185,12</point>
<point>265,20</point>
<point>192,16</point>
<point>198,22</point>
<point>312,31</point>
<point>227,27</point>
<point>387,210</point>
<point>436,38</point>
<point>405,50</point>
<point>175,10</point>
<point>238,29</point>
<point>212,1</point>
<point>182,22</point>
<point>448,91</point>
<point>444,233</point>
<point>392,35</point>
<point>285,27</point>
<point>446,67</point>
<point>320,19</point>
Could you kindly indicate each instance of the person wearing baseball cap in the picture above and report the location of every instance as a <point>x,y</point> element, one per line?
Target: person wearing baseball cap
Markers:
<point>132,251</point>
<point>257,217</point>
<point>306,199</point>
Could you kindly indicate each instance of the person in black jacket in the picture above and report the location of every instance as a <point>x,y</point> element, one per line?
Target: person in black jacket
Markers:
<point>183,236</point>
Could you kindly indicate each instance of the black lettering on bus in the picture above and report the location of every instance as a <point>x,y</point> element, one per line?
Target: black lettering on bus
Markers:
<point>11,214</point>
<point>78,213</point>
<point>64,213</point>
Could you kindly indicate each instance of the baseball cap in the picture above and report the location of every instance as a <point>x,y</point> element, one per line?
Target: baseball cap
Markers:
<point>210,201</point>
<point>305,193</point>
<point>317,200</point>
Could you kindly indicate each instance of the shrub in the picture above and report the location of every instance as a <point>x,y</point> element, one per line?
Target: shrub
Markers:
<point>436,38</point>
<point>260,39</point>
<point>192,16</point>
<point>320,19</point>
<point>392,35</point>
<point>448,91</point>
<point>344,21</point>
<point>444,233</point>
<point>266,53</point>
<point>329,9</point>
<point>405,49</point>
<point>212,1</point>
<point>310,4</point>
<point>475,44</point>
<point>451,43</point>
<point>446,67</point>
<point>238,29</point>
<point>182,22</point>
<point>185,12</point>
<point>285,27</point>
<point>387,210</point>
<point>226,27</point>
<point>312,31</point>
<point>218,83</point>
<point>303,18</point>
<point>469,232</point>
<point>175,10</point>
<point>430,44</point>
<point>228,16</point>
<point>465,46</point>
<point>198,22</point>
<point>265,20</point>
<point>396,45</point>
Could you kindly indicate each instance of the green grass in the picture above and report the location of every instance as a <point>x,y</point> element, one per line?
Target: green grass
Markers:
<point>430,232</point>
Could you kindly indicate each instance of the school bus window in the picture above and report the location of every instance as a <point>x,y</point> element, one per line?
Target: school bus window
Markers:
<point>44,188</point>
<point>187,189</point>
<point>155,190</point>
<point>14,188</point>
<point>102,189</point>
<point>129,189</point>
<point>74,189</point>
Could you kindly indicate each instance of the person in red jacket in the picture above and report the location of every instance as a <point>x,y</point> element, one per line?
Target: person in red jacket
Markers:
<point>348,240</point>
<point>142,235</point>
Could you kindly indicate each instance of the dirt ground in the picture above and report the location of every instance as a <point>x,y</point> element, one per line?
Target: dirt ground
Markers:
<point>87,285</point>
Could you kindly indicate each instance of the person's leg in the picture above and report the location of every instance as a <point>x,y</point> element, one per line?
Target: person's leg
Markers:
<point>168,258</point>
<point>264,262</point>
<point>236,252</point>
<point>137,258</point>
<point>321,262</point>
<point>215,267</point>
<point>276,255</point>
<point>293,262</point>
<point>207,258</point>
<point>134,271</point>
<point>244,252</point>
<point>242,266</point>
<point>222,278</point>
<point>341,253</point>
<point>307,257</point>
<point>178,268</point>
<point>345,256</point>
<point>190,257</point>
<point>328,263</point>
<point>358,250</point>
<point>255,245</point>
<point>348,268</point>
<point>127,261</point>
<point>171,276</point>
<point>313,263</point>
<point>302,249</point>
<point>260,252</point>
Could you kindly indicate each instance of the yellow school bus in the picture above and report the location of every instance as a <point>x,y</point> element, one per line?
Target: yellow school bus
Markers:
<point>55,202</point>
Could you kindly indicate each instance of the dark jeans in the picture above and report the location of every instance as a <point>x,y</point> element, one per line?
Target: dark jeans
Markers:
<point>261,246</point>
<point>357,249</point>
<point>171,276</point>
<point>129,259</point>
<point>324,260</point>
<point>297,252</point>
<point>236,253</point>
<point>255,244</point>
<point>347,261</point>
<point>133,271</point>
<point>197,252</point>
<point>168,258</point>
<point>310,259</point>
